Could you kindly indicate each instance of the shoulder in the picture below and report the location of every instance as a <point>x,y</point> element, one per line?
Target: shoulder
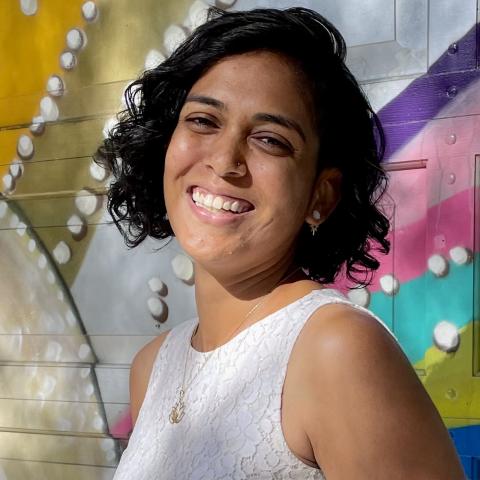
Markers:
<point>140,371</point>
<point>342,342</point>
<point>342,326</point>
<point>366,412</point>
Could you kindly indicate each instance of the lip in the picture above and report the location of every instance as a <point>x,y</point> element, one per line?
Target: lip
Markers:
<point>220,218</point>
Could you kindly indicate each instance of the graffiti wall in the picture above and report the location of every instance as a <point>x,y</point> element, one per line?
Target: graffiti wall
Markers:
<point>76,304</point>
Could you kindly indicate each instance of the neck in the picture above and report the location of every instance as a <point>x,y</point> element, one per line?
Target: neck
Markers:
<point>223,304</point>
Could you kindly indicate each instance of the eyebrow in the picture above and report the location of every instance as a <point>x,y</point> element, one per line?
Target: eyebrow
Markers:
<point>263,117</point>
<point>213,102</point>
<point>280,120</point>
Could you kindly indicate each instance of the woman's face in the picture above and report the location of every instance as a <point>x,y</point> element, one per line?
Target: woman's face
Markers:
<point>245,140</point>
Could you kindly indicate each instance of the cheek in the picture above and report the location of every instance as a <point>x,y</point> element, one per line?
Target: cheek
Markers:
<point>282,189</point>
<point>180,155</point>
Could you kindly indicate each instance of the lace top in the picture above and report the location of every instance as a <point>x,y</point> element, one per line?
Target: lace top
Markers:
<point>232,423</point>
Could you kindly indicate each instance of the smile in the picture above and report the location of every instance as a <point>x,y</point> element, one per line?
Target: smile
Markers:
<point>219,203</point>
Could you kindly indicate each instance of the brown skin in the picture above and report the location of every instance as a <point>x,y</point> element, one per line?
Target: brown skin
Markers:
<point>351,401</point>
<point>237,264</point>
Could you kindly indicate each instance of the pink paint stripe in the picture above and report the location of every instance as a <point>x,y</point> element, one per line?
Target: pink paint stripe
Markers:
<point>122,427</point>
<point>446,225</point>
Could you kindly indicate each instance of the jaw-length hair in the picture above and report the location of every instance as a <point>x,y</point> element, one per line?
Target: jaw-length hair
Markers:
<point>351,137</point>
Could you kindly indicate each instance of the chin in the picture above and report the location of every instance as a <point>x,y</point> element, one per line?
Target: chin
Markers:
<point>208,250</point>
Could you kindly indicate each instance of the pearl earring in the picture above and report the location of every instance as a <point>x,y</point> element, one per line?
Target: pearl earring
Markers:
<point>317,216</point>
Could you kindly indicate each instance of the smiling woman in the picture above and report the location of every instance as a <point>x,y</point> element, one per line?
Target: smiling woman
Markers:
<point>237,147</point>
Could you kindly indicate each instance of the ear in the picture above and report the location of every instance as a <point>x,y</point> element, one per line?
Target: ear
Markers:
<point>326,194</point>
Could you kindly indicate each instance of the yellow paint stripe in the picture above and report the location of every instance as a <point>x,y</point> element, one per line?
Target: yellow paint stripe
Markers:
<point>30,50</point>
<point>450,382</point>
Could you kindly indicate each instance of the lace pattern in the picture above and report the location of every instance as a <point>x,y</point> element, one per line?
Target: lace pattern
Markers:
<point>232,423</point>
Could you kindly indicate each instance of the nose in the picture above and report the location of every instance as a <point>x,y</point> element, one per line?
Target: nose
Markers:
<point>226,158</point>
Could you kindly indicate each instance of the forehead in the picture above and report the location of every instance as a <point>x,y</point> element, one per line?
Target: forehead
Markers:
<point>258,79</point>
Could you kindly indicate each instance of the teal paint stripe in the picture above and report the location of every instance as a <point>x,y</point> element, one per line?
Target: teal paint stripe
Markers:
<point>423,302</point>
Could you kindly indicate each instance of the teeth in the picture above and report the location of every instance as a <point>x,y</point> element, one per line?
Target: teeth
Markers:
<point>210,209</point>
<point>209,200</point>
<point>215,204</point>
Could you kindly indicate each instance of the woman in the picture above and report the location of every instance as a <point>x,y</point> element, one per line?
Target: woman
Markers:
<point>257,142</point>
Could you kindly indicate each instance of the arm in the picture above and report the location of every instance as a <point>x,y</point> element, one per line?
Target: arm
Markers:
<point>140,371</point>
<point>368,415</point>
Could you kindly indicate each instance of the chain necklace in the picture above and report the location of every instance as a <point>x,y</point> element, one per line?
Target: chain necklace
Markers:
<point>178,409</point>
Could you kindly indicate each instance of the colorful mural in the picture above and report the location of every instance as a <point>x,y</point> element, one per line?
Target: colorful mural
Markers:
<point>76,305</point>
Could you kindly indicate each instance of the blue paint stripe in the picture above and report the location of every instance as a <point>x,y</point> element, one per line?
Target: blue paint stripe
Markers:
<point>423,302</point>
<point>467,440</point>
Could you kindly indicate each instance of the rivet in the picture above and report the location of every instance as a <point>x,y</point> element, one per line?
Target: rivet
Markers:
<point>48,109</point>
<point>62,252</point>
<point>89,11</point>
<point>29,7</point>
<point>55,86</point>
<point>87,203</point>
<point>21,229</point>
<point>359,296</point>
<point>37,127</point>
<point>451,178</point>
<point>197,15</point>
<point>157,286</point>
<point>225,3</point>
<point>108,126</point>
<point>451,139</point>
<point>68,60</point>
<point>42,261</point>
<point>446,336</point>
<point>174,35</point>
<point>25,147</point>
<point>153,59</point>
<point>75,39</point>
<point>3,208</point>
<point>183,268</point>
<point>156,306</point>
<point>84,351</point>
<point>14,221</point>
<point>453,48</point>
<point>8,182</point>
<point>452,91</point>
<point>50,277</point>
<point>76,225</point>
<point>16,168</point>
<point>32,244</point>
<point>461,255</point>
<point>389,284</point>
<point>438,265</point>
<point>97,172</point>
<point>451,394</point>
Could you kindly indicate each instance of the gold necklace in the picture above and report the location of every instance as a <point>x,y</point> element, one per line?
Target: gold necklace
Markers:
<point>178,409</point>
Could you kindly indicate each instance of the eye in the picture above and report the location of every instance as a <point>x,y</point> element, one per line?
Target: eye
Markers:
<point>201,122</point>
<point>274,144</point>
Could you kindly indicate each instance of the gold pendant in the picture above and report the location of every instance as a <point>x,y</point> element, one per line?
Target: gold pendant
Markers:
<point>178,410</point>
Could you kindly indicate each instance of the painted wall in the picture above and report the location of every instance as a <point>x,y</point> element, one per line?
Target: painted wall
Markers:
<point>75,304</point>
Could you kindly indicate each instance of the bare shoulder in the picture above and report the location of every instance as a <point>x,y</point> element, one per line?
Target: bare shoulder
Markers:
<point>140,371</point>
<point>367,414</point>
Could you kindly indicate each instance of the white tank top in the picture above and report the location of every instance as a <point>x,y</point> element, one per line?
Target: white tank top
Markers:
<point>232,423</point>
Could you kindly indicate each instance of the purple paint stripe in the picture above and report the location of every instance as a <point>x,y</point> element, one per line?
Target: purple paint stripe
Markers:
<point>421,101</point>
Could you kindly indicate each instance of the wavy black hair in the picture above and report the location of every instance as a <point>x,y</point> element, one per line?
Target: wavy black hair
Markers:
<point>350,133</point>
